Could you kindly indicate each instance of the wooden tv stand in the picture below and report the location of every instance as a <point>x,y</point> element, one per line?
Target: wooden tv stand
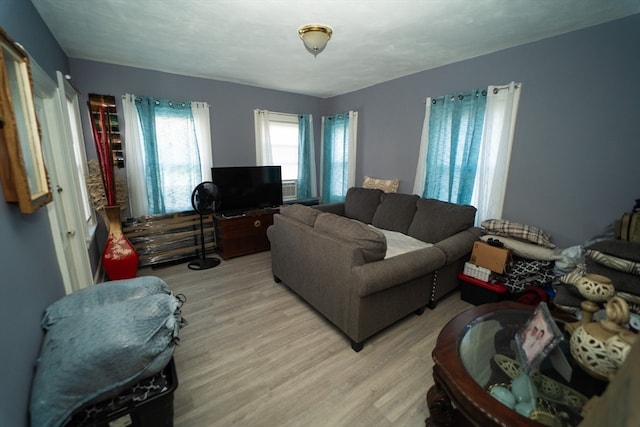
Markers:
<point>243,234</point>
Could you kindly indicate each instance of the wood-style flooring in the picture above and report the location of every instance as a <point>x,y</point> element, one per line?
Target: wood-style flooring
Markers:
<point>254,354</point>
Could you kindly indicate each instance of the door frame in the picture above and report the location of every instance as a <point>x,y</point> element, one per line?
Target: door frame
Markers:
<point>71,232</point>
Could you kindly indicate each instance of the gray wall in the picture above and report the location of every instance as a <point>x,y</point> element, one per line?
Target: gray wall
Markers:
<point>572,170</point>
<point>232,105</point>
<point>574,166</point>
<point>30,276</point>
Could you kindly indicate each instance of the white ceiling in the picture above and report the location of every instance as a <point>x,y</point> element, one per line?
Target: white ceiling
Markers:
<point>255,42</point>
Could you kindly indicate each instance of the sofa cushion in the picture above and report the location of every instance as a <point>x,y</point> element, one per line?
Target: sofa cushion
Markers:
<point>435,220</point>
<point>395,212</point>
<point>302,213</point>
<point>361,203</point>
<point>372,242</point>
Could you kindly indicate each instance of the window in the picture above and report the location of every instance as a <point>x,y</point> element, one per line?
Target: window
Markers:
<point>287,140</point>
<point>466,147</point>
<point>168,150</point>
<point>283,132</point>
<point>339,141</point>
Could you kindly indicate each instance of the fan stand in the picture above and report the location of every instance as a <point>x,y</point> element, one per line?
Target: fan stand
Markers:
<point>203,263</point>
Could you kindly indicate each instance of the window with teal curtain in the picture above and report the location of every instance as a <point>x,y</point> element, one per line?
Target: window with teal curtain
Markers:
<point>306,158</point>
<point>171,156</point>
<point>335,157</point>
<point>455,132</point>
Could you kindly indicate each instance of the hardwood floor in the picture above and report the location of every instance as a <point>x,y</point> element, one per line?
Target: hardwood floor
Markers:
<point>255,354</point>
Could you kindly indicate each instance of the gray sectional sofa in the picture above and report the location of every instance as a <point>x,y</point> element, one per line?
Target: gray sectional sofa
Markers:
<point>339,257</point>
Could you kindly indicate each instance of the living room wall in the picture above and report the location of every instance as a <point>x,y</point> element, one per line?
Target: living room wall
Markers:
<point>572,169</point>
<point>31,279</point>
<point>231,105</point>
<point>574,165</point>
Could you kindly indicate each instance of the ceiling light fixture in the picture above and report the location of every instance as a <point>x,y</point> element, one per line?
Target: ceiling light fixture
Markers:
<point>315,37</point>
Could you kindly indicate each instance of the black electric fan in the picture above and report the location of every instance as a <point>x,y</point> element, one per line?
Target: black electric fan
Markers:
<point>204,200</point>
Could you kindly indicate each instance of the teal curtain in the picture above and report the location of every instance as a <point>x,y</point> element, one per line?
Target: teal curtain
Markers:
<point>171,155</point>
<point>455,131</point>
<point>306,162</point>
<point>335,157</point>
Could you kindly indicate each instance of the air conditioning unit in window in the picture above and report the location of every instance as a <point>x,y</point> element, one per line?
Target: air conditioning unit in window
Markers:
<point>289,190</point>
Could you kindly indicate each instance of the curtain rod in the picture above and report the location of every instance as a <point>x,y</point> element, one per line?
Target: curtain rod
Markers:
<point>484,92</point>
<point>157,101</point>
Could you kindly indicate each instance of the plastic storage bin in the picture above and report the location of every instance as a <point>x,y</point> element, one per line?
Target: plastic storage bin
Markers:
<point>149,403</point>
<point>478,292</point>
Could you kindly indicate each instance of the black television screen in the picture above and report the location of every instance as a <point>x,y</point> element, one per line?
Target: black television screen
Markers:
<point>243,188</point>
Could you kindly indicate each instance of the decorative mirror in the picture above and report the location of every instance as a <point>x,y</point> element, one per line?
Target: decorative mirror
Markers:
<point>22,169</point>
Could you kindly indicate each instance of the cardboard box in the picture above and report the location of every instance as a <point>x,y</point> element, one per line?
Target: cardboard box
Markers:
<point>479,273</point>
<point>494,258</point>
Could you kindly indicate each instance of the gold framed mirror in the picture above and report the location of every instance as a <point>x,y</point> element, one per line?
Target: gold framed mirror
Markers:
<point>22,169</point>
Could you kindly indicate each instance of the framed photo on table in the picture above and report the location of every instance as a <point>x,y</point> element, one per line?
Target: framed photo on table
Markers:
<point>537,338</point>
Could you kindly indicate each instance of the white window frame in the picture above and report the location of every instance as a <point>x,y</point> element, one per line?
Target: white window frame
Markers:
<point>283,118</point>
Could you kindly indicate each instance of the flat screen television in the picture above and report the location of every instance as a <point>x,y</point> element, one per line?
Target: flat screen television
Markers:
<point>243,188</point>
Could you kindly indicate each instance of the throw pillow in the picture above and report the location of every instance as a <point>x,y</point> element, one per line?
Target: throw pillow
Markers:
<point>395,212</point>
<point>525,249</point>
<point>302,213</point>
<point>573,278</point>
<point>503,227</point>
<point>361,203</point>
<point>436,220</point>
<point>614,262</point>
<point>618,248</point>
<point>371,242</point>
<point>621,281</point>
<point>567,300</point>
<point>386,185</point>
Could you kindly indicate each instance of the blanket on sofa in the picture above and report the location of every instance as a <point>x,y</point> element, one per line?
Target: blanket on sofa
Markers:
<point>399,243</point>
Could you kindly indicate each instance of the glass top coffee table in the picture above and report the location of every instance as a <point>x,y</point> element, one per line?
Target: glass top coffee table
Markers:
<point>476,352</point>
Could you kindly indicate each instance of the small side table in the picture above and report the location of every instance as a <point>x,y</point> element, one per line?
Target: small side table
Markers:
<point>470,356</point>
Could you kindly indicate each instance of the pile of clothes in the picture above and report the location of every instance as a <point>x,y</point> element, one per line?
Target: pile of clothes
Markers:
<point>531,273</point>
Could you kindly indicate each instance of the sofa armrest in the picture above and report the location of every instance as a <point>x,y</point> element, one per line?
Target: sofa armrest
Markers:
<point>334,208</point>
<point>380,275</point>
<point>460,244</point>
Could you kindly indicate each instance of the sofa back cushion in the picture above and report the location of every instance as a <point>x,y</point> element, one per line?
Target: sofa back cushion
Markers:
<point>371,241</point>
<point>395,212</point>
<point>361,203</point>
<point>436,220</point>
<point>301,213</point>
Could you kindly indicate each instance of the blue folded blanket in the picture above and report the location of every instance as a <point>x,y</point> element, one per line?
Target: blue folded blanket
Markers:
<point>91,355</point>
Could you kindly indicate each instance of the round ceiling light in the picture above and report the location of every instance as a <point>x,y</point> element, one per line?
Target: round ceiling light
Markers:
<point>315,37</point>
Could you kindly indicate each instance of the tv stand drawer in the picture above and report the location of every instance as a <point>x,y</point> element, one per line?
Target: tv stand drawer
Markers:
<point>242,235</point>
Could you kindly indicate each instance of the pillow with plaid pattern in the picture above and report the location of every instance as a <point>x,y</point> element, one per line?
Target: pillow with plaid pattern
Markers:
<point>503,227</point>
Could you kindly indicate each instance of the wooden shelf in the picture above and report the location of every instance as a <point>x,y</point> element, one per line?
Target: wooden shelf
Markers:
<point>112,127</point>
